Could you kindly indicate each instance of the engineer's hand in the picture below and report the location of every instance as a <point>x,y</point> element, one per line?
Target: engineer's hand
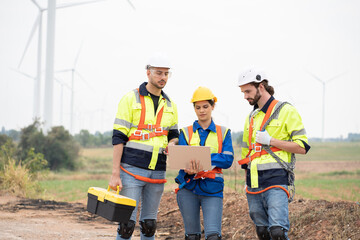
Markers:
<point>263,137</point>
<point>115,181</point>
<point>166,152</point>
<point>194,168</point>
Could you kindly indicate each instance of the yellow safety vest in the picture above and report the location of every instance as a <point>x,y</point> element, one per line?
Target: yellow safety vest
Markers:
<point>128,117</point>
<point>287,126</point>
<point>214,139</point>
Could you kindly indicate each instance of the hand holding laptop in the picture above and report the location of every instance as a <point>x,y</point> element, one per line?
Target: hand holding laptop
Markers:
<point>194,167</point>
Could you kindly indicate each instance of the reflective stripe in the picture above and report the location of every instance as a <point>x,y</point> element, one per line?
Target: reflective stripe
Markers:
<point>228,153</point>
<point>268,166</point>
<point>123,122</point>
<point>152,129</point>
<point>220,175</point>
<point>144,147</point>
<point>173,127</point>
<point>254,174</point>
<point>186,134</point>
<point>299,132</point>
<point>137,96</point>
<point>168,103</point>
<point>154,157</point>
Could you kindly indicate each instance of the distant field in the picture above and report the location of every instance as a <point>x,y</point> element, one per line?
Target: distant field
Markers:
<point>332,151</point>
<point>333,184</point>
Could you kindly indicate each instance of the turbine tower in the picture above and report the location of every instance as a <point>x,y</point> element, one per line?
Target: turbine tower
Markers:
<point>323,99</point>
<point>38,25</point>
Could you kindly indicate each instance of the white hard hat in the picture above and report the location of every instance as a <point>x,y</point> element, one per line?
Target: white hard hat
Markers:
<point>251,75</point>
<point>158,60</point>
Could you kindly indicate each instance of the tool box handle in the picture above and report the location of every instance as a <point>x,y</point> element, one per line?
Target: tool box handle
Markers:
<point>117,187</point>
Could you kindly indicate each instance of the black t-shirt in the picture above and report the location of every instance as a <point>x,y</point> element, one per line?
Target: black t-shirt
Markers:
<point>156,101</point>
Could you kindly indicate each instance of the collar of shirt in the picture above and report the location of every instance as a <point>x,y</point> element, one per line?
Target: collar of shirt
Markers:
<point>144,92</point>
<point>266,106</point>
<point>197,126</point>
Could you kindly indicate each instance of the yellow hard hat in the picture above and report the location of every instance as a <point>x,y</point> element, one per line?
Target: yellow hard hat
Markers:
<point>203,94</point>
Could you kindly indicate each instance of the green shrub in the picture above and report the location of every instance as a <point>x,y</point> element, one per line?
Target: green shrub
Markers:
<point>58,147</point>
<point>61,150</point>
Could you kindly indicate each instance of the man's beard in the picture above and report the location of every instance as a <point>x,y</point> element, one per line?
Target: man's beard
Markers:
<point>253,101</point>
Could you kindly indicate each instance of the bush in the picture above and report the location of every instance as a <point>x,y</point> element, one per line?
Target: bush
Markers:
<point>31,137</point>
<point>7,150</point>
<point>35,162</point>
<point>60,149</point>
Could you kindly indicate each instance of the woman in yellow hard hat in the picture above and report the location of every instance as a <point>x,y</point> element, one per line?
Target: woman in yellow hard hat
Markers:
<point>204,187</point>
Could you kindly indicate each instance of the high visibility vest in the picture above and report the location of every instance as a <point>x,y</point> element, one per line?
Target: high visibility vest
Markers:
<point>146,131</point>
<point>214,141</point>
<point>287,126</point>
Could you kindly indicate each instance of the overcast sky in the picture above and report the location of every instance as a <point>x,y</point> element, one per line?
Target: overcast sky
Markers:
<point>209,42</point>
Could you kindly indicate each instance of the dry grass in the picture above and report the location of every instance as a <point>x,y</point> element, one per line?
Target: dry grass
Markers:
<point>17,180</point>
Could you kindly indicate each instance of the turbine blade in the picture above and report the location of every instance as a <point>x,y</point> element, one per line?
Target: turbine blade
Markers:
<point>64,70</point>
<point>78,54</point>
<point>66,5</point>
<point>314,76</point>
<point>131,4</point>
<point>58,80</point>
<point>37,5</point>
<point>62,83</point>
<point>22,73</point>
<point>337,76</point>
<point>83,79</point>
<point>36,24</point>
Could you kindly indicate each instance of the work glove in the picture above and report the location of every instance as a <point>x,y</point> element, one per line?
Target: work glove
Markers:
<point>263,137</point>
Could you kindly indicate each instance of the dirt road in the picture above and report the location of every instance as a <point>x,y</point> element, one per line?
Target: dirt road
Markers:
<point>37,219</point>
<point>43,220</point>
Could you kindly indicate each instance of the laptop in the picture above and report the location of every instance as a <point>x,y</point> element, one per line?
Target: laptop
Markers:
<point>180,155</point>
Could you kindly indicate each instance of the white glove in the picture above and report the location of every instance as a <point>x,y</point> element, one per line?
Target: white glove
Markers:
<point>263,137</point>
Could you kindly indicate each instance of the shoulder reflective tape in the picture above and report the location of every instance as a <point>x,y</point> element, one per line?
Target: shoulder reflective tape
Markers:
<point>168,103</point>
<point>224,130</point>
<point>186,133</point>
<point>137,96</point>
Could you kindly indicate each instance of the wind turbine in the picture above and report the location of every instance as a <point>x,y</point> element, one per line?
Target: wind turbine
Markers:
<point>323,98</point>
<point>38,25</point>
<point>73,71</point>
<point>61,83</point>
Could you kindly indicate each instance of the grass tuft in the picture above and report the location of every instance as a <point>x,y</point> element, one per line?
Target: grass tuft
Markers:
<point>17,180</point>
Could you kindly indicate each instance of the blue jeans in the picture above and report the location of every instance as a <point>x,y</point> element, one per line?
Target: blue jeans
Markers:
<point>189,205</point>
<point>148,193</point>
<point>269,208</point>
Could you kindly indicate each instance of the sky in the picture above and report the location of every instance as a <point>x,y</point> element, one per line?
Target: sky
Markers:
<point>209,42</point>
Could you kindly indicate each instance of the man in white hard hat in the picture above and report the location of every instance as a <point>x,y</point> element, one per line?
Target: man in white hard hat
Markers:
<point>146,123</point>
<point>273,133</point>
